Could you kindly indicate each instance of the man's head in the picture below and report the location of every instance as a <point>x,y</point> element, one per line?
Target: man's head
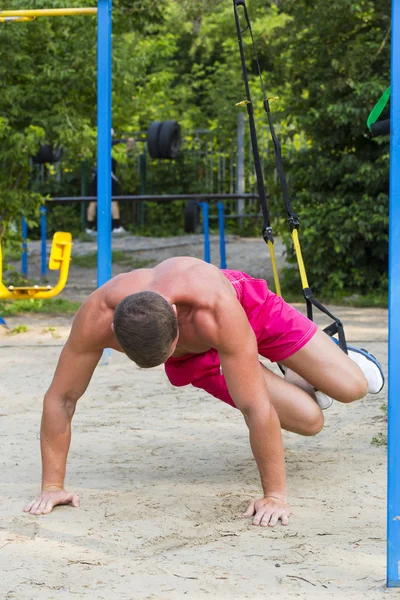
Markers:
<point>146,326</point>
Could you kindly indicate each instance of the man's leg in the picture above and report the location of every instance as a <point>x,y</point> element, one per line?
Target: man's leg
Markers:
<point>327,368</point>
<point>296,408</point>
<point>91,216</point>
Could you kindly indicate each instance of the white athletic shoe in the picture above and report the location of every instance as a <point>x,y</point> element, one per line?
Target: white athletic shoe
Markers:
<point>370,367</point>
<point>323,400</point>
<point>90,231</point>
<point>119,230</point>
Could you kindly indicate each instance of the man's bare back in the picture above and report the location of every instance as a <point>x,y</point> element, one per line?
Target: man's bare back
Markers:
<point>197,289</point>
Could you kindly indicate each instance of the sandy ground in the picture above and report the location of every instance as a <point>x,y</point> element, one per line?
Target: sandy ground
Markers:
<point>164,474</point>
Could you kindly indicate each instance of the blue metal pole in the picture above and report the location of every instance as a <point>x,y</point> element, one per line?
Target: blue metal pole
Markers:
<point>393,507</point>
<point>43,234</point>
<point>104,75</point>
<point>24,264</point>
<point>207,253</point>
<point>221,224</point>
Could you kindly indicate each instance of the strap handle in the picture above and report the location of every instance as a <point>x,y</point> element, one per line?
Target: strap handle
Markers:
<point>378,108</point>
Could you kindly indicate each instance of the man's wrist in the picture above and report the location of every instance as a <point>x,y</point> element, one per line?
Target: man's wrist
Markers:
<point>282,496</point>
<point>52,487</point>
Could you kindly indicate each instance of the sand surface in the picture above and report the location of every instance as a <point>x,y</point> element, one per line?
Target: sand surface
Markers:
<point>164,474</point>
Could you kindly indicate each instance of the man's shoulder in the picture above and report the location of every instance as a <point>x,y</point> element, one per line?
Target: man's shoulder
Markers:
<point>92,324</point>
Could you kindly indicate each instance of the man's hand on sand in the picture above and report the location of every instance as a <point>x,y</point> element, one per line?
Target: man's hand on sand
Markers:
<point>44,503</point>
<point>268,511</point>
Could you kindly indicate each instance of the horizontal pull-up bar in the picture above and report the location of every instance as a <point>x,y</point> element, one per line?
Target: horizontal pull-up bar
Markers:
<point>153,198</point>
<point>19,15</point>
<point>16,19</point>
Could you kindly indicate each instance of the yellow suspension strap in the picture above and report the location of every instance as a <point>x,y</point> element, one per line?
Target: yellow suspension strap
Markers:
<point>336,327</point>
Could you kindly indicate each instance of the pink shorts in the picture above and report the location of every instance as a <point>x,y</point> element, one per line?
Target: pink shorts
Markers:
<point>280,329</point>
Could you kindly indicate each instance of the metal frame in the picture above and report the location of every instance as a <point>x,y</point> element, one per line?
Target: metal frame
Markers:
<point>104,74</point>
<point>393,503</point>
<point>104,123</point>
<point>30,15</point>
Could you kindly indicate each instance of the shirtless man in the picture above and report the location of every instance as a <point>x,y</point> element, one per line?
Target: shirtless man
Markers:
<point>208,327</point>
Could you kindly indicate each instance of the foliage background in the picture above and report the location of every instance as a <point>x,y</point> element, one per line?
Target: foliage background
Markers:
<point>327,61</point>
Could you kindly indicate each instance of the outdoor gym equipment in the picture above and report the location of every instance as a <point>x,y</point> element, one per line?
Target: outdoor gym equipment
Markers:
<point>381,127</point>
<point>47,153</point>
<point>104,30</point>
<point>164,139</point>
<point>31,15</point>
<point>376,126</point>
<point>60,257</point>
<point>336,327</point>
<point>206,231</point>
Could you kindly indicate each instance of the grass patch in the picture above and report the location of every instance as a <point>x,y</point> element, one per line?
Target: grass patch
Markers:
<point>52,305</point>
<point>18,329</point>
<point>381,438</point>
<point>120,257</point>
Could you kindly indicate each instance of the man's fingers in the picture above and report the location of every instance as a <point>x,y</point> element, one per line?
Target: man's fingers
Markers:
<point>34,506</point>
<point>41,507</point>
<point>48,507</point>
<point>262,516</point>
<point>285,520</point>
<point>250,511</point>
<point>74,499</point>
<point>275,518</point>
<point>29,506</point>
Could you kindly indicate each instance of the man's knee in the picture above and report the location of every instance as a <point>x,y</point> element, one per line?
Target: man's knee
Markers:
<point>355,387</point>
<point>315,423</point>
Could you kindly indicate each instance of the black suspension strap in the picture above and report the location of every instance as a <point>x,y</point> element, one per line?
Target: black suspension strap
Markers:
<point>336,327</point>
<point>267,228</point>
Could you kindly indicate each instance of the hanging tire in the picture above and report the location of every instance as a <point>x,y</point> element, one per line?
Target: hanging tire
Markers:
<point>153,134</point>
<point>169,140</point>
<point>191,216</point>
<point>47,153</point>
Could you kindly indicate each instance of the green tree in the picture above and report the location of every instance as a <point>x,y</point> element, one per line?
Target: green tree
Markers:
<point>334,57</point>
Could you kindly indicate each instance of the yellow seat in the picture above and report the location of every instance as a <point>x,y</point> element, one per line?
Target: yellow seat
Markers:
<point>60,257</point>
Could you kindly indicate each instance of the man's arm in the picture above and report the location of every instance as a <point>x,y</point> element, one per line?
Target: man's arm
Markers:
<point>72,376</point>
<point>237,348</point>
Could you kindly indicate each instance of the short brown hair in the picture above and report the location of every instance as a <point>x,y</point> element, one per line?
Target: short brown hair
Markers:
<point>145,326</point>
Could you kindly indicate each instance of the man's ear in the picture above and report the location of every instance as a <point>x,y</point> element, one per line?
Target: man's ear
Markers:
<point>174,309</point>
<point>112,326</point>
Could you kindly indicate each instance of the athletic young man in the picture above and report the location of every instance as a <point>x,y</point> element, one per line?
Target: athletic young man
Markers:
<point>208,327</point>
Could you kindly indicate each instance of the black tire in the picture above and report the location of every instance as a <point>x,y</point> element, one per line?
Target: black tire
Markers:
<point>191,216</point>
<point>169,139</point>
<point>153,134</point>
<point>47,153</point>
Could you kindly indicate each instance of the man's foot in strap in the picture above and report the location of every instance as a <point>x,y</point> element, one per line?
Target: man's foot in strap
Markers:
<point>370,367</point>
<point>368,364</point>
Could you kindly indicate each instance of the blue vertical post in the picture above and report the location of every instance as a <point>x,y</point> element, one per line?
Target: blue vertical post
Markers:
<point>43,235</point>
<point>221,226</point>
<point>206,230</point>
<point>104,76</point>
<point>393,508</point>
<point>24,265</point>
